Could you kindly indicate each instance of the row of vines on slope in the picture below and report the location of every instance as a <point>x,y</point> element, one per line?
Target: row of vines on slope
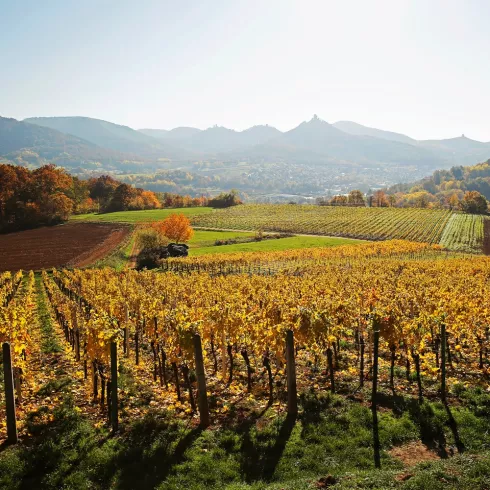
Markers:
<point>16,317</point>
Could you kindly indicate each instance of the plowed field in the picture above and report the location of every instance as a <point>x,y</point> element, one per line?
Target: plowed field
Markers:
<point>64,245</point>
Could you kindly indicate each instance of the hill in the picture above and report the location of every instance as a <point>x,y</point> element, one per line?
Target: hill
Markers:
<point>176,134</point>
<point>360,130</point>
<point>317,137</point>
<point>442,185</point>
<point>107,135</point>
<point>314,159</point>
<point>456,150</point>
<point>460,150</point>
<point>216,139</point>
<point>26,143</point>
<point>344,142</point>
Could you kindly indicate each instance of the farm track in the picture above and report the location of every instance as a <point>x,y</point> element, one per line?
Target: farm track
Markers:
<point>133,257</point>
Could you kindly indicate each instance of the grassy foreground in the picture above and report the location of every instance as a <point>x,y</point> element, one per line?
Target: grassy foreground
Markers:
<point>328,445</point>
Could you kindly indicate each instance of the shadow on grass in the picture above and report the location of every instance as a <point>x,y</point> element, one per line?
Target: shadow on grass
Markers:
<point>431,428</point>
<point>259,457</point>
<point>397,403</point>
<point>451,422</point>
<point>151,450</point>
<point>68,451</point>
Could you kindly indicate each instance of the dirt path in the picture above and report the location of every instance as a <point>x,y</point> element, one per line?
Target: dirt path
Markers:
<point>133,256</point>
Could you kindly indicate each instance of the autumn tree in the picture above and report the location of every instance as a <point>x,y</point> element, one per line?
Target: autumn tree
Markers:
<point>176,227</point>
<point>102,190</point>
<point>453,201</point>
<point>34,198</point>
<point>225,200</point>
<point>122,198</point>
<point>49,195</point>
<point>150,200</point>
<point>380,200</point>
<point>473,202</point>
<point>356,198</point>
<point>339,200</point>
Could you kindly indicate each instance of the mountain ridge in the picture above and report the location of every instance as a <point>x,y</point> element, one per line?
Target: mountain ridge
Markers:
<point>314,157</point>
<point>352,127</point>
<point>18,138</point>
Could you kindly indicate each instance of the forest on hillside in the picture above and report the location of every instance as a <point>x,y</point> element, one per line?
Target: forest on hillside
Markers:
<point>49,195</point>
<point>445,187</point>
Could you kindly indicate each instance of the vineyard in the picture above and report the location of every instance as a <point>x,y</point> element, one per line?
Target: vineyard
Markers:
<point>464,232</point>
<point>216,343</point>
<point>420,225</point>
<point>454,231</point>
<point>296,260</point>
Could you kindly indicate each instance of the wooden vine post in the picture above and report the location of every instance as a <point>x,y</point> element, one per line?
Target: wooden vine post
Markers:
<point>202,396</point>
<point>9,394</point>
<point>330,369</point>
<point>443,362</point>
<point>291,374</point>
<point>377,458</point>
<point>126,331</point>
<point>223,354</point>
<point>361,354</point>
<point>114,397</point>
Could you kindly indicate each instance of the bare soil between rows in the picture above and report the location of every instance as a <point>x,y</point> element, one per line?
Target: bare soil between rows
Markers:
<point>73,244</point>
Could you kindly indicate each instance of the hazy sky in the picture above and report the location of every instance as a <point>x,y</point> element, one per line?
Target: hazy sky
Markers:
<point>418,66</point>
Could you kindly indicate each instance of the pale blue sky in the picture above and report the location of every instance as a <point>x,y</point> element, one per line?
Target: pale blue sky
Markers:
<point>417,66</point>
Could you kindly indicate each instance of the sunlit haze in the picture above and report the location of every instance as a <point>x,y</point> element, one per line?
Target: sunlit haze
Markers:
<point>416,67</point>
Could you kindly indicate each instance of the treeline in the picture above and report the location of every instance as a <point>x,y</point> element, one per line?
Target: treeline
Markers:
<point>223,200</point>
<point>356,198</point>
<point>49,195</point>
<point>460,188</point>
<point>452,189</point>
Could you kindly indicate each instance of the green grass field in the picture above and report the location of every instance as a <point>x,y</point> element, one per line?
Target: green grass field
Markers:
<point>330,442</point>
<point>290,243</point>
<point>206,238</point>
<point>139,216</point>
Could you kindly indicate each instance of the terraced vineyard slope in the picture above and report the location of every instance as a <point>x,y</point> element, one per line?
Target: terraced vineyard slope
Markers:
<point>420,225</point>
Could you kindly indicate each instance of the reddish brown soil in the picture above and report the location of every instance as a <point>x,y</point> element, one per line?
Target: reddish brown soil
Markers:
<point>77,245</point>
<point>413,453</point>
